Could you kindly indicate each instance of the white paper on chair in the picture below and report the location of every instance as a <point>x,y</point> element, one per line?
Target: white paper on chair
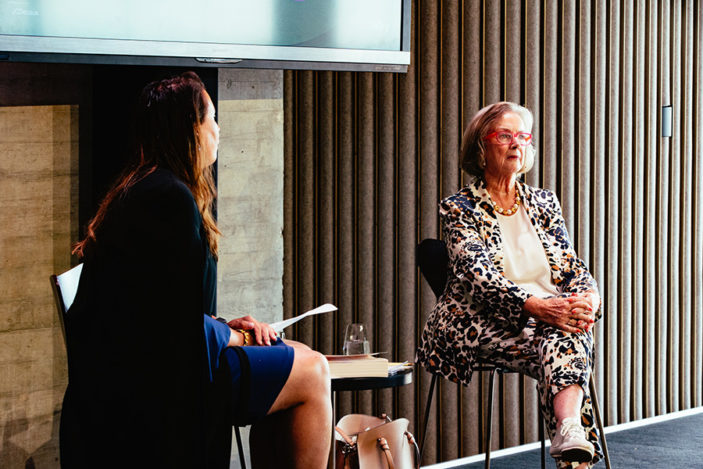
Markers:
<point>280,325</point>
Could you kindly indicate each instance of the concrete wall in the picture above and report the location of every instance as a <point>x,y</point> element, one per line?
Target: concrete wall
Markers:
<point>250,194</point>
<point>250,197</point>
<point>38,224</point>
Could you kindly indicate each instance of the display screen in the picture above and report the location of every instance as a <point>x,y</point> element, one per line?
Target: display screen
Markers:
<point>324,30</point>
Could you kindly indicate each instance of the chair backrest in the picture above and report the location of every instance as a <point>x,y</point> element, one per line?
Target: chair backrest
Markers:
<point>433,260</point>
<point>65,287</point>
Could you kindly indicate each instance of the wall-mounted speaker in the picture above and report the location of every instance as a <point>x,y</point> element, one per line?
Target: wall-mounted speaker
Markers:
<point>666,121</point>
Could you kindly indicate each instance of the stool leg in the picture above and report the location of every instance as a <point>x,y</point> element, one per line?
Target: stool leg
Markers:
<point>543,446</point>
<point>427,416</point>
<point>242,461</point>
<point>489,418</point>
<point>599,420</point>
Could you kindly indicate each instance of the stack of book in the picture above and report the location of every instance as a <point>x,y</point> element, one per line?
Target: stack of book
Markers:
<point>363,366</point>
<point>357,366</point>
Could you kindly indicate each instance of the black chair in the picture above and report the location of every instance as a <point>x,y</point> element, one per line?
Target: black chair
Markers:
<point>433,260</point>
<point>65,287</point>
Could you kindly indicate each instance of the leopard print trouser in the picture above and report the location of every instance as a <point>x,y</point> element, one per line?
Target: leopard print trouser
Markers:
<point>556,359</point>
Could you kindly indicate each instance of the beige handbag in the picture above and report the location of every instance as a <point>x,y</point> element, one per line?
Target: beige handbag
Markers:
<point>367,442</point>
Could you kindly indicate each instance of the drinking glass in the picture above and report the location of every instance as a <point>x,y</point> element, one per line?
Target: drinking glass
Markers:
<point>355,341</point>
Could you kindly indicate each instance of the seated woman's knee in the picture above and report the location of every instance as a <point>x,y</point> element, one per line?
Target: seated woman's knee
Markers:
<point>555,338</point>
<point>315,366</point>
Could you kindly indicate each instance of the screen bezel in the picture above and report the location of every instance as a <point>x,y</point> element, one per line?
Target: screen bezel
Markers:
<point>130,52</point>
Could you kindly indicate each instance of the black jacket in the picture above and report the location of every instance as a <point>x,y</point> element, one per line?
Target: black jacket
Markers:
<point>138,393</point>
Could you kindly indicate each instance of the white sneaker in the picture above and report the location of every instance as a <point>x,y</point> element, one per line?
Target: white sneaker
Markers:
<point>570,443</point>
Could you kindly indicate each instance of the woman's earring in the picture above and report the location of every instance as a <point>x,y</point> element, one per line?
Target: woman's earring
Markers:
<point>481,161</point>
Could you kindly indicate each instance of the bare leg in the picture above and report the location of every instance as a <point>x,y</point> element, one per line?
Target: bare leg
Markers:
<point>297,432</point>
<point>567,403</point>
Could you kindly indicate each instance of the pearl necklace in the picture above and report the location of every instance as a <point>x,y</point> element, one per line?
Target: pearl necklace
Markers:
<point>509,211</point>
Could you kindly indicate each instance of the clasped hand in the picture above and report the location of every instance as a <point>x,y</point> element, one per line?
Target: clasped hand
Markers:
<point>262,333</point>
<point>574,313</point>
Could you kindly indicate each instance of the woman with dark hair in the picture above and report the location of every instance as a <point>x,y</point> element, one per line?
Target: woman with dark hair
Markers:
<point>517,295</point>
<point>154,380</point>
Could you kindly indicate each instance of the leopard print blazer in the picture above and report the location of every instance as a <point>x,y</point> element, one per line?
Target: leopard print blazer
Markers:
<point>477,296</point>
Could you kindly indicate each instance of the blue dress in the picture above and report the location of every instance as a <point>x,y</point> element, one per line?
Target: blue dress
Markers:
<point>257,374</point>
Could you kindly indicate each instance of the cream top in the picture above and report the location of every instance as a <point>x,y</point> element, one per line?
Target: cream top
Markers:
<point>524,259</point>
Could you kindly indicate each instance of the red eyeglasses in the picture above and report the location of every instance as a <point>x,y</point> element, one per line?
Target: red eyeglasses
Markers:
<point>502,137</point>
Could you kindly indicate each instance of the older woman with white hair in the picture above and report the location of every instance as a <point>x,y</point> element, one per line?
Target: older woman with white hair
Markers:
<point>517,296</point>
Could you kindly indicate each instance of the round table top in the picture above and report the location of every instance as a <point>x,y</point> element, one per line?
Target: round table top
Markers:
<point>400,378</point>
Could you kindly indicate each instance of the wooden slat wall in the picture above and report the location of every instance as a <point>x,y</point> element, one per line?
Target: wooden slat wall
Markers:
<point>368,156</point>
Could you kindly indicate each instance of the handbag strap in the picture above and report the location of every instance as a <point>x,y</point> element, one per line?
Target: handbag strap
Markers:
<point>349,448</point>
<point>346,437</point>
<point>411,440</point>
<point>383,444</point>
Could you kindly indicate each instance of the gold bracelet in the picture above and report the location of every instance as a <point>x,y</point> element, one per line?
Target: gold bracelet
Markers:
<point>247,337</point>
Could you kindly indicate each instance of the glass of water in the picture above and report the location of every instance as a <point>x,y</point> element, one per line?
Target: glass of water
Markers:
<point>355,341</point>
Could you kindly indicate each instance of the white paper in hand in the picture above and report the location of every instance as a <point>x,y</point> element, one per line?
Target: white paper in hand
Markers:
<point>280,325</point>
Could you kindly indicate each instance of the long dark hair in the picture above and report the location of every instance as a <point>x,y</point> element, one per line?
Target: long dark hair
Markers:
<point>169,115</point>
